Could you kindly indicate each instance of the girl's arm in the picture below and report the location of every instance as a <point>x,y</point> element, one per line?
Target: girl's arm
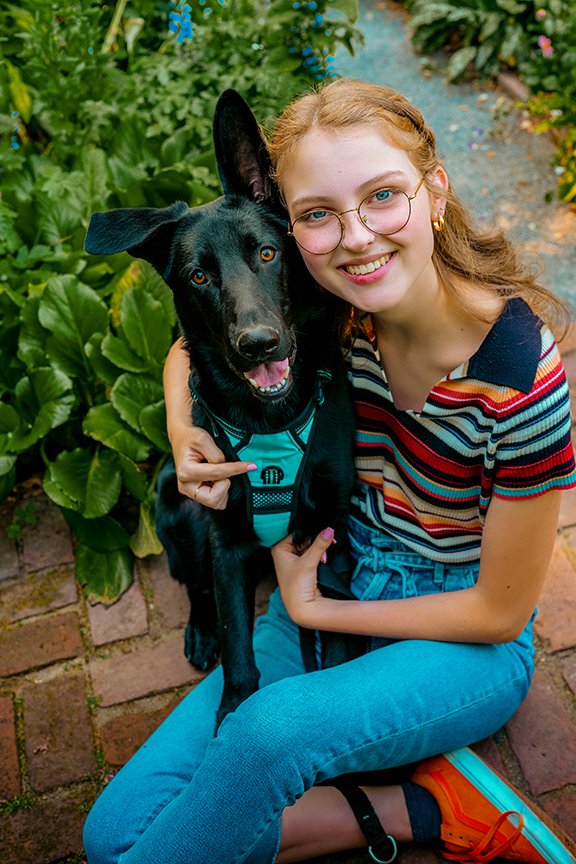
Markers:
<point>203,473</point>
<point>517,545</point>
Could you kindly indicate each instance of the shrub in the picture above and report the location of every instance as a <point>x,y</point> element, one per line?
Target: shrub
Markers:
<point>485,33</point>
<point>550,72</point>
<point>535,37</point>
<point>102,108</point>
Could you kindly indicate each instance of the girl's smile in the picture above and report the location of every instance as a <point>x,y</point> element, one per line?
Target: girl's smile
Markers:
<point>364,272</point>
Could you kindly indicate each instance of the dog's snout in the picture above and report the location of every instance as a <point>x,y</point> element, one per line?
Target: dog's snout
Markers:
<point>258,342</point>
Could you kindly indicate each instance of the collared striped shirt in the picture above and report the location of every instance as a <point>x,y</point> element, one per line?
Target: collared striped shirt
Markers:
<point>499,424</point>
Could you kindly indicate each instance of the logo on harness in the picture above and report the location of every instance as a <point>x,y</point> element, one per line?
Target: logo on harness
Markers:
<point>271,475</point>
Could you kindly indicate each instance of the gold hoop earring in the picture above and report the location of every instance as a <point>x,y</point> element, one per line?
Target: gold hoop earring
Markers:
<point>438,222</point>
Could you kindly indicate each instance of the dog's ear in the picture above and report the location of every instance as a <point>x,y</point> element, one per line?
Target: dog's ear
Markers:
<point>241,154</point>
<point>144,232</point>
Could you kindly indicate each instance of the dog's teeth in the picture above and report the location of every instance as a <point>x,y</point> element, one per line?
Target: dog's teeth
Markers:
<point>253,382</point>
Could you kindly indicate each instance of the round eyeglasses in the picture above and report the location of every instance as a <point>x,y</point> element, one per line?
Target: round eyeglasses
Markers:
<point>385,211</point>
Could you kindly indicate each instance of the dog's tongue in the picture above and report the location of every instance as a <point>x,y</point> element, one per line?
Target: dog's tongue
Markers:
<point>266,375</point>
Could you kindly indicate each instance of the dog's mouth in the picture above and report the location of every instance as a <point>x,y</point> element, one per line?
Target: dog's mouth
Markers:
<point>270,380</point>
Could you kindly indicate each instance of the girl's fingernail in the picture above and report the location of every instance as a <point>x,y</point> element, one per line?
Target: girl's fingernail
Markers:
<point>324,558</point>
<point>328,534</point>
<point>252,467</point>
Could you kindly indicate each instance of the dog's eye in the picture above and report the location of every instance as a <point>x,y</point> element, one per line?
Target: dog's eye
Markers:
<point>199,277</point>
<point>267,254</point>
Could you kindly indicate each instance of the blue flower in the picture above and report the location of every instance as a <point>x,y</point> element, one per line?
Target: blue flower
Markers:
<point>180,22</point>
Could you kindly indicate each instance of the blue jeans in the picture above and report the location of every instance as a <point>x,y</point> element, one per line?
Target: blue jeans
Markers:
<point>189,798</point>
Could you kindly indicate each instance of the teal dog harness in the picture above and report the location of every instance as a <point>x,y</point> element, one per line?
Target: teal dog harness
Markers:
<point>272,490</point>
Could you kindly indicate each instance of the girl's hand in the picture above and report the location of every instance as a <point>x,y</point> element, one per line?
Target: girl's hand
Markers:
<point>201,469</point>
<point>297,575</point>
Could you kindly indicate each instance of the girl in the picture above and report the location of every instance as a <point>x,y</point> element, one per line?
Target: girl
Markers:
<point>463,448</point>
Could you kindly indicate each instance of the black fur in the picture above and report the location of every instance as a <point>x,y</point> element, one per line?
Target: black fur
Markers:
<point>238,311</point>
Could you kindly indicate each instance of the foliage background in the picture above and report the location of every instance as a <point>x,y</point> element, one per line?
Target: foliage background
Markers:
<point>536,38</point>
<point>106,106</point>
<point>101,107</point>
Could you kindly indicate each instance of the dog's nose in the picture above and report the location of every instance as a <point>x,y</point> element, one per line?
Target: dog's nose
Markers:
<point>257,342</point>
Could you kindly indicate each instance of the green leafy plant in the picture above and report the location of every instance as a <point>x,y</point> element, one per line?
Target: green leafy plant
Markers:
<point>99,108</point>
<point>481,33</point>
<point>550,72</point>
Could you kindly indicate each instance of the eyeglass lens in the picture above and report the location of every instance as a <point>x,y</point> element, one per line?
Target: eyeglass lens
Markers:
<point>385,211</point>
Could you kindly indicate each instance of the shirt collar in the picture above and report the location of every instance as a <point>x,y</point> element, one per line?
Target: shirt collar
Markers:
<point>509,354</point>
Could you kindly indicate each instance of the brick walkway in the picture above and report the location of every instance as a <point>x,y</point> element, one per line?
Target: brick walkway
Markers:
<point>82,687</point>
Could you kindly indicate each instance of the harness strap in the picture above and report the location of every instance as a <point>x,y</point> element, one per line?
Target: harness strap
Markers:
<point>382,847</point>
<point>272,493</point>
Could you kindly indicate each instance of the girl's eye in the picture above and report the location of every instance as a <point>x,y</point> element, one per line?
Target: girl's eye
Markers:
<point>267,254</point>
<point>314,217</point>
<point>382,196</point>
<point>199,277</point>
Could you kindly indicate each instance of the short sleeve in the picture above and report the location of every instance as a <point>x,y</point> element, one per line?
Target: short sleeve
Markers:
<point>534,451</point>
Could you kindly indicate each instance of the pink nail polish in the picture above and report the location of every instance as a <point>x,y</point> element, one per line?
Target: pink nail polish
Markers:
<point>328,534</point>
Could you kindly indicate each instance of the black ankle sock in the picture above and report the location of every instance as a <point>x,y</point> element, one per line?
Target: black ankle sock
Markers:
<point>424,813</point>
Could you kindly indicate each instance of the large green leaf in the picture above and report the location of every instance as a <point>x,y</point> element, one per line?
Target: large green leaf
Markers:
<point>45,401</point>
<point>135,481</point>
<point>145,541</point>
<point>32,337</point>
<point>103,534</point>
<point>148,332</point>
<point>72,312</point>
<point>104,575</point>
<point>146,279</point>
<point>153,420</point>
<point>131,394</point>
<point>105,424</point>
<point>102,367</point>
<point>459,61</point>
<point>9,419</point>
<point>9,238</point>
<point>19,91</point>
<point>93,481</point>
<point>117,350</point>
<point>62,204</point>
<point>97,177</point>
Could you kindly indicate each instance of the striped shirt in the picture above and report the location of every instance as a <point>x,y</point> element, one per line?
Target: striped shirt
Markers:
<point>499,424</point>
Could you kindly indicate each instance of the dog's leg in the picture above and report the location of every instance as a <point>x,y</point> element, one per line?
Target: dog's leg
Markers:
<point>235,587</point>
<point>182,527</point>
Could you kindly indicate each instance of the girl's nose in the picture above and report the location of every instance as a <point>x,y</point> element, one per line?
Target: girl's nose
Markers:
<point>355,234</point>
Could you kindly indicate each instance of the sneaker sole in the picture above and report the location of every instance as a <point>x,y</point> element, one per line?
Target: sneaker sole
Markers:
<point>504,797</point>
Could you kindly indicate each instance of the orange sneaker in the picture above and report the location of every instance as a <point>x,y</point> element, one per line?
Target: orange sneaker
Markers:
<point>483,817</point>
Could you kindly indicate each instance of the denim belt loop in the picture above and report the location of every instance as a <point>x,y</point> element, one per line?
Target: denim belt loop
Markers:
<point>439,574</point>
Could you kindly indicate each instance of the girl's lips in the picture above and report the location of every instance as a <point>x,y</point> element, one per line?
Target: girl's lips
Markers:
<point>369,271</point>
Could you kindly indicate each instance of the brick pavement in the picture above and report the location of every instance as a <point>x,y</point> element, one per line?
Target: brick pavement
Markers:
<point>81,687</point>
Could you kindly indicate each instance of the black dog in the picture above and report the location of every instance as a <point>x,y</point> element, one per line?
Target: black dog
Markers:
<point>265,359</point>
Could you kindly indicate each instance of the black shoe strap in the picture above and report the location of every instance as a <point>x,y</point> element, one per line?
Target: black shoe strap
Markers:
<point>382,847</point>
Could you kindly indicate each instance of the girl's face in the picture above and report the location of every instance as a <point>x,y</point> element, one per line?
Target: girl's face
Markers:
<point>336,170</point>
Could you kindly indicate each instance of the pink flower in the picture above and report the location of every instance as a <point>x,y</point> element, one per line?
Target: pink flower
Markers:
<point>540,14</point>
<point>545,46</point>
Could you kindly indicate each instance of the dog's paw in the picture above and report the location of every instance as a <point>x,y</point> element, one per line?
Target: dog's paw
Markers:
<point>201,649</point>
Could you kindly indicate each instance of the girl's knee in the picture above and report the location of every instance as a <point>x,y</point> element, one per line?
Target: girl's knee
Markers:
<point>270,725</point>
<point>101,836</point>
